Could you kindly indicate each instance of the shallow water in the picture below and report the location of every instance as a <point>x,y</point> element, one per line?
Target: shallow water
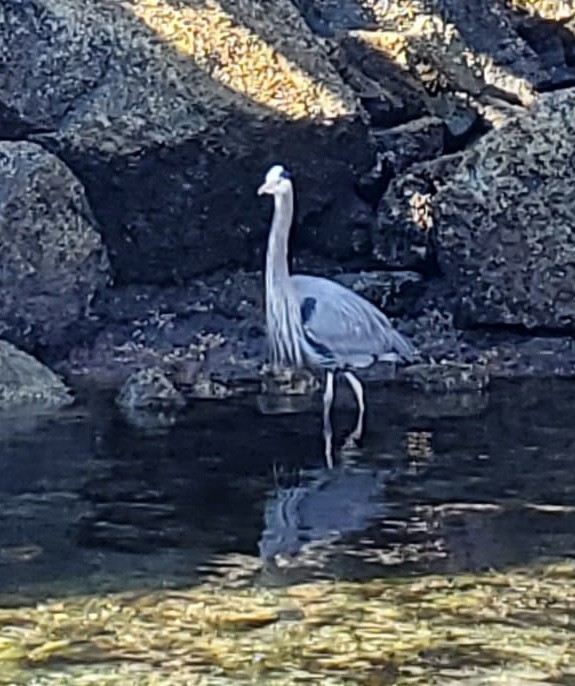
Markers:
<point>440,485</point>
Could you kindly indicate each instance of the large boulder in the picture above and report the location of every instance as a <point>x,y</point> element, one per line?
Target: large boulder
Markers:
<point>52,261</point>
<point>24,381</point>
<point>499,220</point>
<point>170,114</point>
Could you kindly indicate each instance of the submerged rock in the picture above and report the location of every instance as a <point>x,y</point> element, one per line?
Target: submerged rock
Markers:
<point>149,401</point>
<point>25,381</point>
<point>149,389</point>
<point>52,257</point>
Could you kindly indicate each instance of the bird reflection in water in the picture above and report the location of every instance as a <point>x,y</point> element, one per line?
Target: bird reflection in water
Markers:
<point>320,507</point>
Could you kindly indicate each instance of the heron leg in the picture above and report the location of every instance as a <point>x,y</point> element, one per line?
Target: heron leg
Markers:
<point>357,388</point>
<point>327,428</point>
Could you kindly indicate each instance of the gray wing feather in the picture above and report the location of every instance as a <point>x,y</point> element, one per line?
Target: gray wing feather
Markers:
<point>350,327</point>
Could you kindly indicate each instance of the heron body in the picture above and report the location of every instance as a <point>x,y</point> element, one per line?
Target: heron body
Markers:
<point>316,322</point>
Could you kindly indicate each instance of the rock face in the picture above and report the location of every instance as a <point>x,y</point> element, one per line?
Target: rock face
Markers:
<point>51,256</point>
<point>170,114</point>
<point>24,381</point>
<point>404,56</point>
<point>500,220</point>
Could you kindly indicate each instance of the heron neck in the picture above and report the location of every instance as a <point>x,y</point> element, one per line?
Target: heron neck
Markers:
<point>277,272</point>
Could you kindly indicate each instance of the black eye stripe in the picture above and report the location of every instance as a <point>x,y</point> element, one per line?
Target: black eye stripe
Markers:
<point>284,174</point>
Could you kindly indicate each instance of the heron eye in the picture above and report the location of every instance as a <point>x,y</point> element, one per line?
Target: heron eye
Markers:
<point>285,174</point>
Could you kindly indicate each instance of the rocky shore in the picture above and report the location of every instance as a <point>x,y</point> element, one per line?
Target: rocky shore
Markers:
<point>432,144</point>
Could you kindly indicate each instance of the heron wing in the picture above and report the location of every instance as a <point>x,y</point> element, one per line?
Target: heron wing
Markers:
<point>343,327</point>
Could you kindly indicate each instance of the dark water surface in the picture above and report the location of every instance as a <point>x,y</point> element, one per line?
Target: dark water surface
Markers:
<point>88,503</point>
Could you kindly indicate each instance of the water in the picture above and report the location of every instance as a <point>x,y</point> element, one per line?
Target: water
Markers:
<point>90,504</point>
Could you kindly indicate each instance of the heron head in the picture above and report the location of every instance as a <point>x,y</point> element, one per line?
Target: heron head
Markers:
<point>277,181</point>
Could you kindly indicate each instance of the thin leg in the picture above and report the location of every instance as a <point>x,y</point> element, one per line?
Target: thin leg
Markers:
<point>327,428</point>
<point>357,388</point>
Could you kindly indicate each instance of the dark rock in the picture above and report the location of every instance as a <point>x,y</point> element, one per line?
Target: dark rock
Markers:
<point>387,91</point>
<point>550,32</point>
<point>462,122</point>
<point>24,381</point>
<point>504,228</point>
<point>403,238</point>
<point>446,377</point>
<point>447,404</point>
<point>372,184</point>
<point>416,141</point>
<point>53,261</point>
<point>393,292</point>
<point>149,401</point>
<point>339,15</point>
<point>498,221</point>
<point>495,55</point>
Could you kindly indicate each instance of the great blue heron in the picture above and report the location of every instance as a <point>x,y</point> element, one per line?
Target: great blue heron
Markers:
<point>316,322</point>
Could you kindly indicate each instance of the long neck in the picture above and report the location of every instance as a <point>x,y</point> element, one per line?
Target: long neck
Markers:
<point>283,318</point>
<point>277,272</point>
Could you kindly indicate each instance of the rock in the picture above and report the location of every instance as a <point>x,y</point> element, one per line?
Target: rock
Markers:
<point>149,389</point>
<point>498,220</point>
<point>446,404</point>
<point>504,224</point>
<point>402,57</point>
<point>170,114</point>
<point>417,141</point>
<point>393,292</point>
<point>286,391</point>
<point>549,29</point>
<point>462,121</point>
<point>53,261</point>
<point>149,401</point>
<point>403,237</point>
<point>373,183</point>
<point>446,377</point>
<point>370,63</point>
<point>25,381</point>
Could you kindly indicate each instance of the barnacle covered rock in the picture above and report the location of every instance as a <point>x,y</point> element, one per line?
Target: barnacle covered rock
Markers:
<point>498,219</point>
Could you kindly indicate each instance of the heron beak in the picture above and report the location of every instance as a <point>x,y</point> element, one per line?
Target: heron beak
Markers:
<point>263,189</point>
